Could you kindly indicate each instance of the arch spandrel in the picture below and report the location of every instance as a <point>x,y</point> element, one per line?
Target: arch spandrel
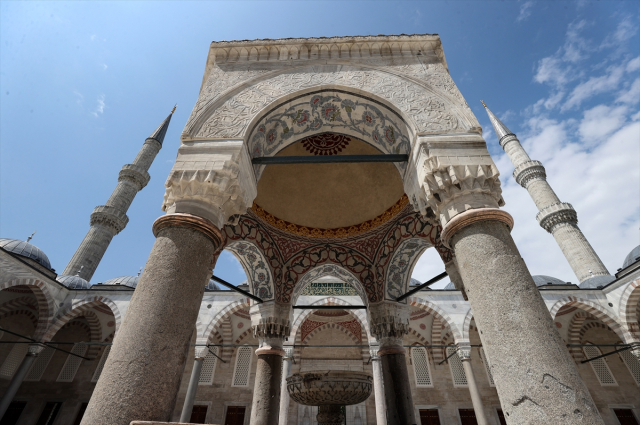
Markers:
<point>423,93</point>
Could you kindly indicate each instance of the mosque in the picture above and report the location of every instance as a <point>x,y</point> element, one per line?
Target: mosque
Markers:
<point>284,131</point>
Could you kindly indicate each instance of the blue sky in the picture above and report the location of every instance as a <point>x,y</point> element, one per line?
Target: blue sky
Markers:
<point>84,83</point>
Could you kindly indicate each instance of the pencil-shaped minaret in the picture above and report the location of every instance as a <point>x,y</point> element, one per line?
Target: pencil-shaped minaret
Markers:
<point>108,220</point>
<point>556,217</point>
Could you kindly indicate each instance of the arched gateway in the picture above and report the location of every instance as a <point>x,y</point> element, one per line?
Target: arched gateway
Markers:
<point>261,170</point>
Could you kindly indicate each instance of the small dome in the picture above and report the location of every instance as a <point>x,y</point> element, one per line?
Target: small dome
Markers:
<point>597,282</point>
<point>130,281</point>
<point>212,286</point>
<point>542,280</point>
<point>73,282</point>
<point>415,282</point>
<point>633,256</point>
<point>450,287</point>
<point>27,250</point>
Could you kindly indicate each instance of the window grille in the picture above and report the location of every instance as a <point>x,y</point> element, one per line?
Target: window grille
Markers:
<point>421,367</point>
<point>103,360</point>
<point>13,360</point>
<point>632,363</point>
<point>72,364</point>
<point>600,367</point>
<point>457,370</point>
<point>243,367</point>
<point>486,366</point>
<point>208,367</point>
<point>40,364</point>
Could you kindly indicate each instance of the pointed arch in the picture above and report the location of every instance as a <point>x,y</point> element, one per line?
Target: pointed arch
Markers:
<point>256,267</point>
<point>629,311</point>
<point>593,308</point>
<point>219,327</point>
<point>404,259</point>
<point>46,303</point>
<point>466,326</point>
<point>333,270</point>
<point>438,312</point>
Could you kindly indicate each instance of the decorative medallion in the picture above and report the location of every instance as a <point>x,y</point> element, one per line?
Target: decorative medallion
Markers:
<point>326,143</point>
<point>339,232</point>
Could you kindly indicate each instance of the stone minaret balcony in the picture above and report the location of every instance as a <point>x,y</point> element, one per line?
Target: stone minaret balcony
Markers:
<point>110,219</point>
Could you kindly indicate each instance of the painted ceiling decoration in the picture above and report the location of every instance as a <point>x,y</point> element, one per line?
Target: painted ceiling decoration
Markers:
<point>329,289</point>
<point>326,143</point>
<point>339,232</point>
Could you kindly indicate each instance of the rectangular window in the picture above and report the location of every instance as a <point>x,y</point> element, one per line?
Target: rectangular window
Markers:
<point>40,364</point>
<point>13,360</point>
<point>467,417</point>
<point>72,364</point>
<point>633,364</point>
<point>429,417</point>
<point>421,367</point>
<point>49,413</point>
<point>243,367</point>
<point>208,367</point>
<point>457,370</point>
<point>235,415</point>
<point>103,360</point>
<point>600,367</point>
<point>625,416</point>
<point>83,408</point>
<point>487,367</point>
<point>198,415</point>
<point>12,415</point>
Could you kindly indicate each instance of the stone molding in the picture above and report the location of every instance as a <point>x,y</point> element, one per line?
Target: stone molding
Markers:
<point>470,217</point>
<point>528,172</point>
<point>110,217</point>
<point>555,215</point>
<point>135,174</point>
<point>271,320</point>
<point>194,222</point>
<point>389,323</point>
<point>507,138</point>
<point>214,180</point>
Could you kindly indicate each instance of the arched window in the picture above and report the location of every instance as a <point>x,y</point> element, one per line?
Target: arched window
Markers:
<point>600,367</point>
<point>72,364</point>
<point>208,367</point>
<point>103,360</point>
<point>40,364</point>
<point>457,370</point>
<point>421,367</point>
<point>243,367</point>
<point>632,363</point>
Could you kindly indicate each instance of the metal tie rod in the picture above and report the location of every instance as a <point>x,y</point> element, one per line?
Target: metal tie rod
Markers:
<point>427,283</point>
<point>330,307</point>
<point>235,288</point>
<point>327,159</point>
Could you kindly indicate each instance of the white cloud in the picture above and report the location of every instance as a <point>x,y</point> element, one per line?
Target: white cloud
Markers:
<point>104,66</point>
<point>99,107</point>
<point>601,121</point>
<point>595,85</point>
<point>79,97</point>
<point>525,11</point>
<point>633,64</point>
<point>551,70</point>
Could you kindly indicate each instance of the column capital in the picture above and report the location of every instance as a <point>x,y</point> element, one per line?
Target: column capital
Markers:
<point>35,349</point>
<point>557,214</point>
<point>464,351</point>
<point>212,179</point>
<point>389,323</point>
<point>271,320</point>
<point>190,221</point>
<point>470,217</point>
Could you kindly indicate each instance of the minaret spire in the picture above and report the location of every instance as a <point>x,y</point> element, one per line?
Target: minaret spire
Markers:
<point>556,217</point>
<point>108,220</point>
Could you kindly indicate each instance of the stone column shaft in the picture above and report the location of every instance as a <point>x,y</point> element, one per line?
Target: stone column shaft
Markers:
<point>142,374</point>
<point>378,388</point>
<point>284,394</point>
<point>535,376</point>
<point>17,380</point>
<point>265,408</point>
<point>476,400</point>
<point>187,408</point>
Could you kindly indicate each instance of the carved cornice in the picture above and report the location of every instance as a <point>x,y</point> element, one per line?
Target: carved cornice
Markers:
<point>339,232</point>
<point>194,222</point>
<point>109,216</point>
<point>556,215</point>
<point>135,174</point>
<point>470,217</point>
<point>528,172</point>
<point>272,327</point>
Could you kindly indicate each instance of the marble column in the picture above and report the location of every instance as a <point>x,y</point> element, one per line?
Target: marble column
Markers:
<point>187,408</point>
<point>142,374</point>
<point>284,394</point>
<point>389,323</point>
<point>18,377</point>
<point>536,378</point>
<point>378,388</point>
<point>271,323</point>
<point>464,352</point>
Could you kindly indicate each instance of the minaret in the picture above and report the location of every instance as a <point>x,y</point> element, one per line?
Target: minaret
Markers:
<point>109,220</point>
<point>556,217</point>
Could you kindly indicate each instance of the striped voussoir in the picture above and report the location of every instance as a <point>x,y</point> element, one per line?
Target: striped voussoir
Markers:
<point>46,304</point>
<point>629,311</point>
<point>219,328</point>
<point>441,322</point>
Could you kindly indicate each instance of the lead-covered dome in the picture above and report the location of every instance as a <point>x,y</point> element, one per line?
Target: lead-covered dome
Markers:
<point>542,280</point>
<point>597,282</point>
<point>212,286</point>
<point>633,256</point>
<point>27,250</point>
<point>73,282</point>
<point>130,281</point>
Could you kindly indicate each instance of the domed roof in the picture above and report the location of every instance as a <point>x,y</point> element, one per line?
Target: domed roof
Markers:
<point>130,281</point>
<point>597,282</point>
<point>73,282</point>
<point>415,282</point>
<point>633,256</point>
<point>542,280</point>
<point>212,286</point>
<point>25,249</point>
<point>450,287</point>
